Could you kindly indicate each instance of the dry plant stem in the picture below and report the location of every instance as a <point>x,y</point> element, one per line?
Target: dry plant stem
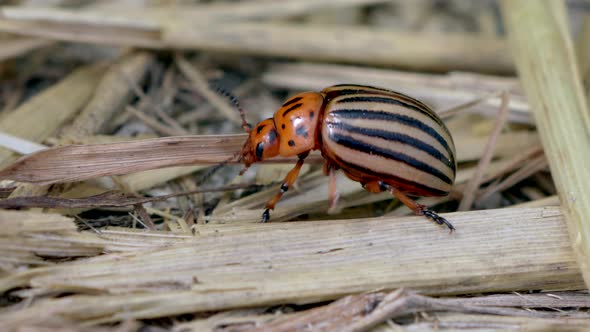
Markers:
<point>530,168</point>
<point>43,114</point>
<point>470,191</point>
<point>279,265</point>
<point>449,112</point>
<point>202,87</point>
<point>543,51</point>
<point>144,216</point>
<point>364,311</point>
<point>451,322</point>
<point>583,53</point>
<point>266,10</point>
<point>110,96</point>
<point>510,144</point>
<point>153,123</point>
<point>315,76</point>
<point>548,201</point>
<point>26,222</point>
<point>106,199</point>
<point>440,52</point>
<point>147,100</point>
<point>515,162</point>
<point>138,181</point>
<point>319,43</point>
<point>439,91</point>
<point>213,11</point>
<point>19,46</point>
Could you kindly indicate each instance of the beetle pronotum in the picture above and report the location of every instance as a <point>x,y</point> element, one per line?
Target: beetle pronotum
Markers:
<point>383,139</point>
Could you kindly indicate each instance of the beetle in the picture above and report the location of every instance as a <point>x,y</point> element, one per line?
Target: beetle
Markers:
<point>385,140</point>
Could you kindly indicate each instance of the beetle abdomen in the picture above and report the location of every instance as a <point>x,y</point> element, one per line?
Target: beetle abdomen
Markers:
<point>375,134</point>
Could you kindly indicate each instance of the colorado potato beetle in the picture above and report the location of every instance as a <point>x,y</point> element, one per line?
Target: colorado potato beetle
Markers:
<point>383,139</point>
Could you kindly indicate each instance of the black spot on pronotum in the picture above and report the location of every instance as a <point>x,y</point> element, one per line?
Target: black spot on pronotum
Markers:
<point>259,151</point>
<point>292,108</point>
<point>291,142</point>
<point>259,129</point>
<point>283,126</point>
<point>311,114</point>
<point>301,131</point>
<point>292,101</point>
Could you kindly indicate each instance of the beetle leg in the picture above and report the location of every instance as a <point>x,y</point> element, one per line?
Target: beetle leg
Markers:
<point>419,209</point>
<point>287,182</point>
<point>334,195</point>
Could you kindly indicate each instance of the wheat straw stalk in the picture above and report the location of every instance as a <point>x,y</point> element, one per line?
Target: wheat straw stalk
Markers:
<point>19,46</point>
<point>112,93</point>
<point>543,51</point>
<point>43,114</point>
<point>185,31</point>
<point>439,91</point>
<point>232,266</point>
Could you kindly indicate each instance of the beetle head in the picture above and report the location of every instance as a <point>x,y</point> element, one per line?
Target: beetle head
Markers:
<point>262,143</point>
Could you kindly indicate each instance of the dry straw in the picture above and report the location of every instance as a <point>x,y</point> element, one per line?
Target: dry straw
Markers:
<point>545,58</point>
<point>117,274</point>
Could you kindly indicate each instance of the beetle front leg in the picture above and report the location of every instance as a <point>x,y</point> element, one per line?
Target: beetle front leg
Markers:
<point>287,183</point>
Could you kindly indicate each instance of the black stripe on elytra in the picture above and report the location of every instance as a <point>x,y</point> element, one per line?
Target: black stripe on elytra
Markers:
<point>382,176</point>
<point>294,107</point>
<point>392,101</point>
<point>348,89</point>
<point>356,88</point>
<point>292,101</point>
<point>397,137</point>
<point>363,147</point>
<point>393,117</point>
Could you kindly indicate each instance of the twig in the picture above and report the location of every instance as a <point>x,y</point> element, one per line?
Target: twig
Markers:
<point>153,123</point>
<point>201,85</point>
<point>470,191</point>
<point>362,312</point>
<point>107,199</point>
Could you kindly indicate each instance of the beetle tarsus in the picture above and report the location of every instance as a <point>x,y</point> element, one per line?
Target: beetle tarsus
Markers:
<point>265,216</point>
<point>438,219</point>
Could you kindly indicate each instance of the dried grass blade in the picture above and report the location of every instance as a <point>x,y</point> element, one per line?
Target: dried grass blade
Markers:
<point>202,86</point>
<point>106,199</point>
<point>17,47</point>
<point>43,114</point>
<point>471,189</point>
<point>81,162</point>
<point>111,94</point>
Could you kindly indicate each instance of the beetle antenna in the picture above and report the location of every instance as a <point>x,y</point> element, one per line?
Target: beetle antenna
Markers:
<point>211,171</point>
<point>234,100</point>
